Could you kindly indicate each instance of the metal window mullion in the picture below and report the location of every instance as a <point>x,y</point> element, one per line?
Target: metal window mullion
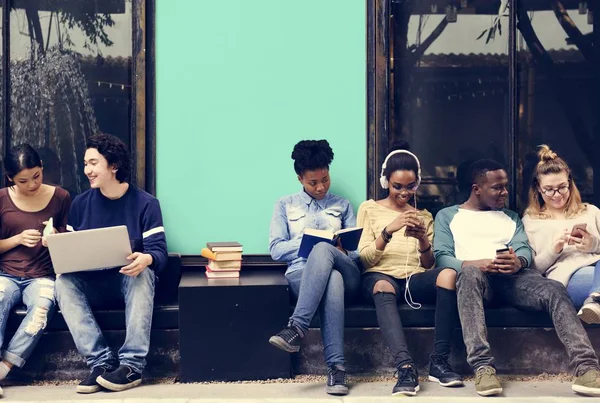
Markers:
<point>5,78</point>
<point>513,104</point>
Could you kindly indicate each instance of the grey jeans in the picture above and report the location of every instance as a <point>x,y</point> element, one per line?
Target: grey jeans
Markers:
<point>527,290</point>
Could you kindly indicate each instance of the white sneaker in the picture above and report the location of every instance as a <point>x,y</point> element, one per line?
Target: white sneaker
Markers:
<point>590,311</point>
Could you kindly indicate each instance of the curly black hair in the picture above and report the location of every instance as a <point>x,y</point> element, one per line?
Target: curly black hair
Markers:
<point>309,155</point>
<point>400,161</point>
<point>115,152</point>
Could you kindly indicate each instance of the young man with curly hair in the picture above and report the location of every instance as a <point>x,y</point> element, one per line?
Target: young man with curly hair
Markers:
<point>112,201</point>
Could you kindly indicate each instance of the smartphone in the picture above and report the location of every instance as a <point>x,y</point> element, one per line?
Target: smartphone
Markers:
<point>575,233</point>
<point>503,250</point>
<point>410,230</point>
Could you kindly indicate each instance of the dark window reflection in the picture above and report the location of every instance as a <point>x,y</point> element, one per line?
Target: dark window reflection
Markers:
<point>557,101</point>
<point>450,81</point>
<point>449,92</point>
<point>71,77</point>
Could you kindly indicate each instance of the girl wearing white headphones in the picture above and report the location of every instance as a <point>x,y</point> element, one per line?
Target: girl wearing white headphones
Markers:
<point>396,251</point>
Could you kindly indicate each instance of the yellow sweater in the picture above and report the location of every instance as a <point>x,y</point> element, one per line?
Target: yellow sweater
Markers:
<point>373,217</point>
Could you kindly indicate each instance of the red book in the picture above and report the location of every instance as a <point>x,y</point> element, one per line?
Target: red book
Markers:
<point>222,274</point>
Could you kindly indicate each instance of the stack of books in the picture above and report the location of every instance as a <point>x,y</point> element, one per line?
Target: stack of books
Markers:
<point>224,259</point>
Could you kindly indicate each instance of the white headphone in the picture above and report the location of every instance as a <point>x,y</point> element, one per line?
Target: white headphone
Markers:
<point>383,180</point>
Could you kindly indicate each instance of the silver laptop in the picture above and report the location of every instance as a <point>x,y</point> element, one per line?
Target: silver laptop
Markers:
<point>93,249</point>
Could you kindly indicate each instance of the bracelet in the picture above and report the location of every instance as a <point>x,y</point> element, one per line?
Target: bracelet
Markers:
<point>426,249</point>
<point>386,236</point>
<point>524,262</point>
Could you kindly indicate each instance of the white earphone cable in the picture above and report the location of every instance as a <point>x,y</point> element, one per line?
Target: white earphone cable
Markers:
<point>407,295</point>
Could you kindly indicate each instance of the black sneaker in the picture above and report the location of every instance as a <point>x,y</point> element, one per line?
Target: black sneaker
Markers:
<point>89,384</point>
<point>337,382</point>
<point>288,339</point>
<point>122,378</point>
<point>408,381</point>
<point>441,371</point>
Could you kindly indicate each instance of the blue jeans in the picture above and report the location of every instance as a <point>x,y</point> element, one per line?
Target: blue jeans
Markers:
<point>327,278</point>
<point>584,282</point>
<point>78,293</point>
<point>38,296</point>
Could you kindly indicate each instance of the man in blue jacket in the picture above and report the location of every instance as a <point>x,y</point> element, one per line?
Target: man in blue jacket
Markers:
<point>488,247</point>
<point>112,201</point>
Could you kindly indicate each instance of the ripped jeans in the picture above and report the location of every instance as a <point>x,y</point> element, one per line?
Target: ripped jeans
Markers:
<point>38,296</point>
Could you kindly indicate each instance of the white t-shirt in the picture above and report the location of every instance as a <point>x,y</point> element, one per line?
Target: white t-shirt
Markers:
<point>478,234</point>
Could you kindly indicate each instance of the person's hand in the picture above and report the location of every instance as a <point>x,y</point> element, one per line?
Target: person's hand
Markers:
<point>54,231</point>
<point>584,244</point>
<point>30,237</point>
<point>407,219</point>
<point>485,265</point>
<point>139,264</point>
<point>561,240</point>
<point>507,262</point>
<point>419,231</point>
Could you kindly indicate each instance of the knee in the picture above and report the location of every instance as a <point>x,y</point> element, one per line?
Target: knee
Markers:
<point>446,279</point>
<point>143,282</point>
<point>63,282</point>
<point>323,248</point>
<point>67,287</point>
<point>38,321</point>
<point>556,289</point>
<point>383,286</point>
<point>46,293</point>
<point>7,289</point>
<point>147,276</point>
<point>469,274</point>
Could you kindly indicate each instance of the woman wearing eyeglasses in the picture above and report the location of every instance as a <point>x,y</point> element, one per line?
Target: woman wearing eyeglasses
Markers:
<point>564,233</point>
<point>395,249</point>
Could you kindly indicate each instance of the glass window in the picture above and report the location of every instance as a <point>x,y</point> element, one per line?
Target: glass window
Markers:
<point>557,101</point>
<point>449,99</point>
<point>449,93</point>
<point>71,64</point>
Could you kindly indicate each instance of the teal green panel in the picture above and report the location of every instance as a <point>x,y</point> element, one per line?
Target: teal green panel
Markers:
<point>238,84</point>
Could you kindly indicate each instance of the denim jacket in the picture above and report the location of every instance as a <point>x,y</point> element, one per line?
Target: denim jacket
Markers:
<point>292,214</point>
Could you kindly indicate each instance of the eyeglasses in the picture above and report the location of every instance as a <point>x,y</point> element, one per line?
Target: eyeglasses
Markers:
<point>411,187</point>
<point>563,190</point>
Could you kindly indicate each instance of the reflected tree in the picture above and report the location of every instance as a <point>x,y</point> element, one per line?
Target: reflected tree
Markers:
<point>50,104</point>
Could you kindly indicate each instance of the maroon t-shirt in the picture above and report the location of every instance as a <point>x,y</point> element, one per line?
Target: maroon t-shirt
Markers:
<point>23,261</point>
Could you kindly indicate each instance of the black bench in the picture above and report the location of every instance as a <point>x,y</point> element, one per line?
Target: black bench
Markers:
<point>56,358</point>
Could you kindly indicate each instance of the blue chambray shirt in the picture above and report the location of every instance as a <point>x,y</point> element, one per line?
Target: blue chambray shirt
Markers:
<point>292,214</point>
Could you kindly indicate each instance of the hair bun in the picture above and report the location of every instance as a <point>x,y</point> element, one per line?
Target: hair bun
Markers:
<point>399,145</point>
<point>546,154</point>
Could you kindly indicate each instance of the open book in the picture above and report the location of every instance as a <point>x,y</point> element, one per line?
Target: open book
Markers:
<point>348,236</point>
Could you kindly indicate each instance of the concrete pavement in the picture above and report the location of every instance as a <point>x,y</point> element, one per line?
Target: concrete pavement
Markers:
<point>550,391</point>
